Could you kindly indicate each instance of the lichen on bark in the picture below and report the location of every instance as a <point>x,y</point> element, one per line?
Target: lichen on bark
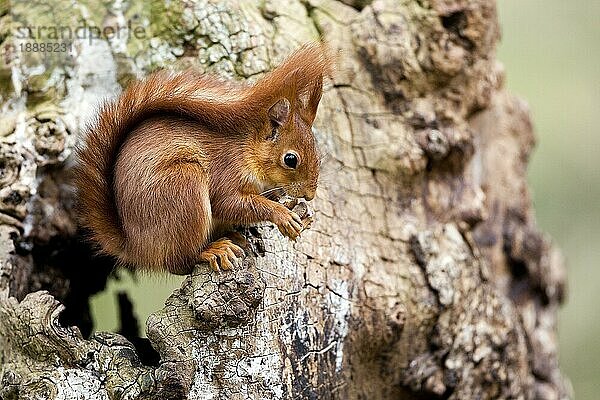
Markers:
<point>423,275</point>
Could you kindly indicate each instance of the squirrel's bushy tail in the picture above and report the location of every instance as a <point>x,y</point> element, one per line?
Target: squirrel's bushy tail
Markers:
<point>217,105</point>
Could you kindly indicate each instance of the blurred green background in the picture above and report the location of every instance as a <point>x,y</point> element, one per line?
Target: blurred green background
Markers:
<point>551,50</point>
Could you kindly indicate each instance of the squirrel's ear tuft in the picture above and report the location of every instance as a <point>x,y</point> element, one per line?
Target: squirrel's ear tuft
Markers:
<point>279,113</point>
<point>299,79</point>
<point>310,99</point>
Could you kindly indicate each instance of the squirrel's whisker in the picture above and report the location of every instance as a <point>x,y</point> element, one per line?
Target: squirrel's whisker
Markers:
<point>271,190</point>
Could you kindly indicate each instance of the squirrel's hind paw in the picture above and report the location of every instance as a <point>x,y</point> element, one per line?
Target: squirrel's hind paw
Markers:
<point>222,254</point>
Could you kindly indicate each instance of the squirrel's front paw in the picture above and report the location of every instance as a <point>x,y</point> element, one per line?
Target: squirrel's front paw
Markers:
<point>288,222</point>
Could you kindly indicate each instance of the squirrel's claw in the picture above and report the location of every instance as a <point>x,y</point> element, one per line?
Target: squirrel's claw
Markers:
<point>296,229</point>
<point>225,263</point>
<point>207,256</point>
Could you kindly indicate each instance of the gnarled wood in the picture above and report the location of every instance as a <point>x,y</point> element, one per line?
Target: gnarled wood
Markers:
<point>423,274</point>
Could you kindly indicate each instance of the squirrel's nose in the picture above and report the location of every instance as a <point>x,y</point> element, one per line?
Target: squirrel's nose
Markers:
<point>309,195</point>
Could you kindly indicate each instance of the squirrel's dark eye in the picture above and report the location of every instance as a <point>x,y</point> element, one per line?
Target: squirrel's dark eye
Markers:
<point>290,159</point>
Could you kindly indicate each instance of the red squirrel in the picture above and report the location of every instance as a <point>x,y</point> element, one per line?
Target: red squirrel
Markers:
<point>170,167</point>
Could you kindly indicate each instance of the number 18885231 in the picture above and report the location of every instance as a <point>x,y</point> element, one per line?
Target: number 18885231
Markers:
<point>45,47</point>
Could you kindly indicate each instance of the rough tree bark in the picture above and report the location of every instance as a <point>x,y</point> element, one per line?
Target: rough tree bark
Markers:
<point>423,276</point>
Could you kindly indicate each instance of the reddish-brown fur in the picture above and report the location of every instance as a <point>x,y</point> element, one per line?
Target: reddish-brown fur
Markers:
<point>179,158</point>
